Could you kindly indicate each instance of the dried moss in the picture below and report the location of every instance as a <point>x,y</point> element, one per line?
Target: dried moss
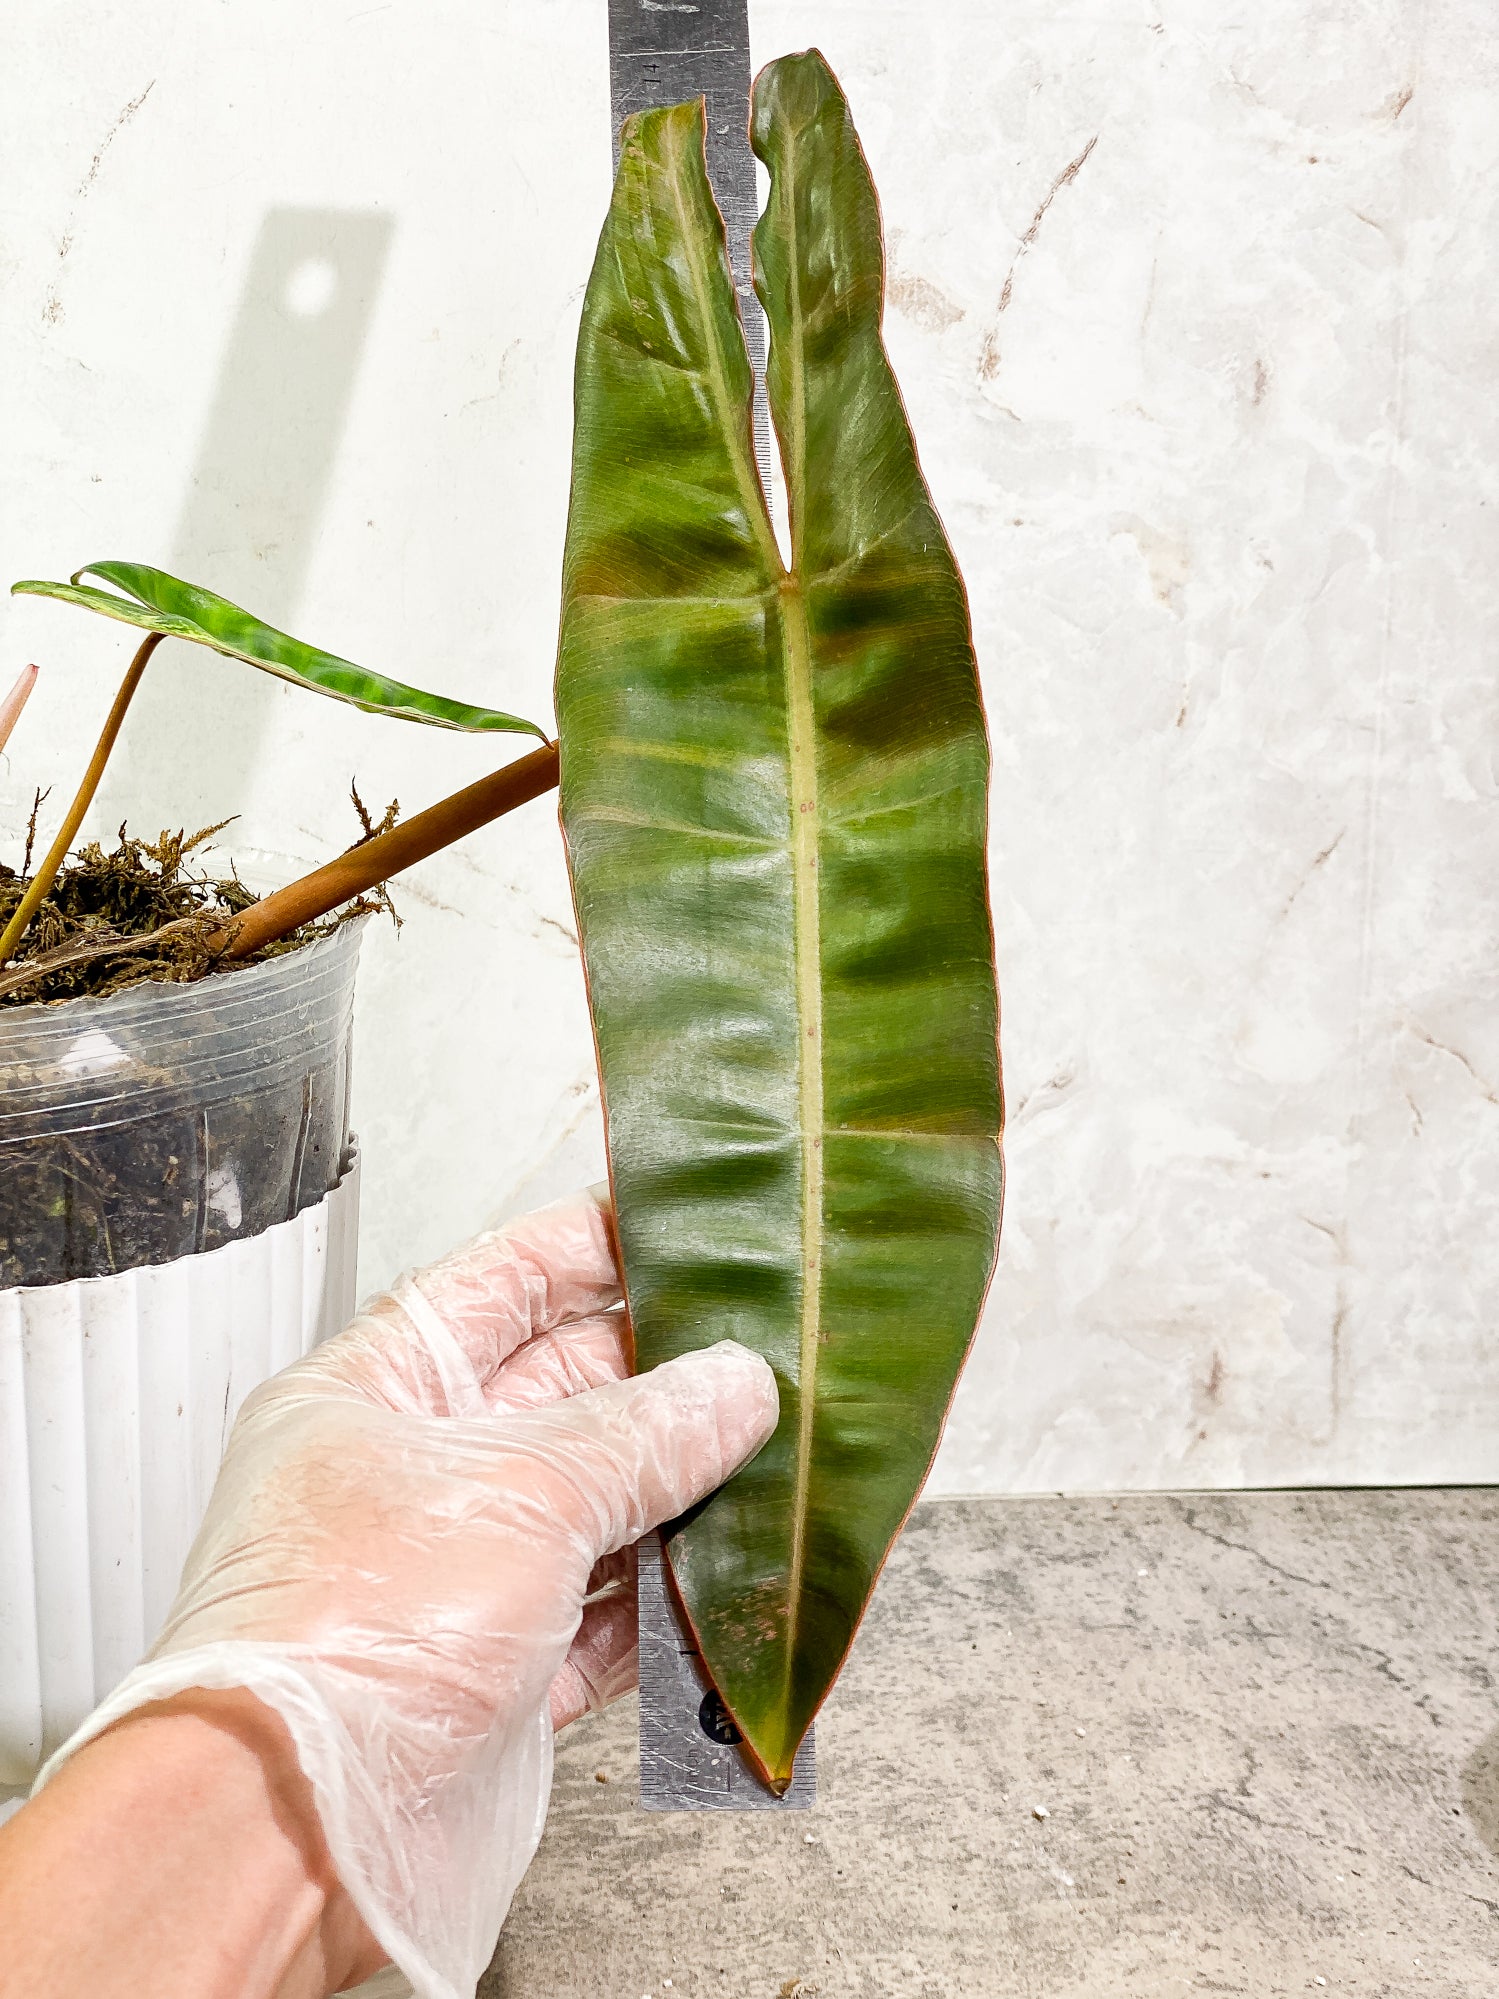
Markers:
<point>142,911</point>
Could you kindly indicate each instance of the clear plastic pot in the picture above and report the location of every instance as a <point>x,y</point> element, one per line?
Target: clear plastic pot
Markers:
<point>167,1120</point>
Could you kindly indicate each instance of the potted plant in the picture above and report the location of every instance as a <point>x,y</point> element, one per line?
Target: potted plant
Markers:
<point>174,1159</point>
<point>774,784</point>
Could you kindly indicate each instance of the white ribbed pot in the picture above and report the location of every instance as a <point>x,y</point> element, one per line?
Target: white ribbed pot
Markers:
<point>116,1397</point>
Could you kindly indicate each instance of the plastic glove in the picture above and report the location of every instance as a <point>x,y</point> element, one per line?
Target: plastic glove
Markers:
<point>414,1554</point>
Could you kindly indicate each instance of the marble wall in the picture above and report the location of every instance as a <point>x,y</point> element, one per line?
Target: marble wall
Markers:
<point>1194,314</point>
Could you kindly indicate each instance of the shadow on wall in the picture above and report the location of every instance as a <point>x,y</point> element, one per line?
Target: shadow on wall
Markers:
<point>254,503</point>
<point>1481,1790</point>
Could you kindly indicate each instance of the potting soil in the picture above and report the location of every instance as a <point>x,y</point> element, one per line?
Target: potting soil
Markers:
<point>115,1190</point>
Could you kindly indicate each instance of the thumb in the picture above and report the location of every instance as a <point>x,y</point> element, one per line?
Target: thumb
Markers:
<point>629,1455</point>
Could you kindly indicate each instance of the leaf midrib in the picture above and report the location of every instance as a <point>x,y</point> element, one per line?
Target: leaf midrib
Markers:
<point>805,817</point>
<point>746,476</point>
<point>807,928</point>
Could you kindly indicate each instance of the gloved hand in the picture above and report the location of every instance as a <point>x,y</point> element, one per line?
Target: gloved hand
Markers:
<point>415,1553</point>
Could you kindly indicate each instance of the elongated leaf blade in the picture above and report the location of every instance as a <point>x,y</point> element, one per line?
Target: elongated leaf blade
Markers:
<point>156,602</point>
<point>774,797</point>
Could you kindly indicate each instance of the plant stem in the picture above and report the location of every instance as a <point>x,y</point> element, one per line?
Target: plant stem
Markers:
<point>46,874</point>
<point>375,861</point>
<point>15,701</point>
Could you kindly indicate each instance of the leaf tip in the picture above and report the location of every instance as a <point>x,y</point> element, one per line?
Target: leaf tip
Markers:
<point>793,89</point>
<point>651,130</point>
<point>772,1754</point>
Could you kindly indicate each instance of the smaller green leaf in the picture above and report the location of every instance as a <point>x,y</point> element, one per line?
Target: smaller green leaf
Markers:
<point>163,603</point>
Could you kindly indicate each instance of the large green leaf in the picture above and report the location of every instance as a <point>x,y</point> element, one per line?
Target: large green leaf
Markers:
<point>157,602</point>
<point>773,791</point>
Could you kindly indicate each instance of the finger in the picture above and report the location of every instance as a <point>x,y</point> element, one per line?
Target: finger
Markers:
<point>555,1365</point>
<point>612,1572</point>
<point>436,1339</point>
<point>603,1661</point>
<point>528,1277</point>
<point>603,1665</point>
<point>619,1460</point>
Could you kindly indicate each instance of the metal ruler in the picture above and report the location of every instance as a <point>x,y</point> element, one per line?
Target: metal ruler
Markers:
<point>689,1758</point>
<point>664,52</point>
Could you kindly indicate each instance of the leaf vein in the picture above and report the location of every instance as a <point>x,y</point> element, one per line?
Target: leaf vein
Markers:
<point>619,816</point>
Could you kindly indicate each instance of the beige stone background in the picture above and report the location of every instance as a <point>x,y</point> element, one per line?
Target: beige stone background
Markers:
<point>1194,311</point>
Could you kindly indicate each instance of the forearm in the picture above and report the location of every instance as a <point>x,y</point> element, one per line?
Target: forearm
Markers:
<point>177,1853</point>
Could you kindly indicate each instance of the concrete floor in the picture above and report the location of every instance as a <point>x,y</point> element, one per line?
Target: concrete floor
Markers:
<point>1261,1727</point>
